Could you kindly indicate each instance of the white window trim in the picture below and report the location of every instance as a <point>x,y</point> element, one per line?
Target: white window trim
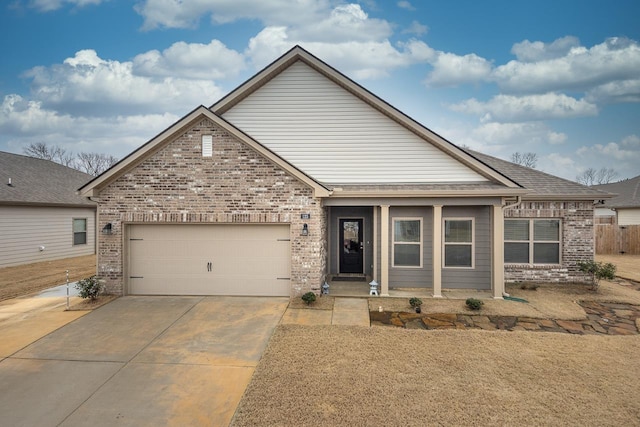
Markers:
<point>394,243</point>
<point>532,241</point>
<point>473,243</point>
<point>73,232</point>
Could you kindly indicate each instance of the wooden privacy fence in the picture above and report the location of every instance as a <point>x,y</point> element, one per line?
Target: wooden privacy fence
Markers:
<point>614,239</point>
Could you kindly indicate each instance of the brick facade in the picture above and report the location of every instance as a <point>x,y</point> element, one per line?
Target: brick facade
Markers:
<point>578,241</point>
<point>177,185</point>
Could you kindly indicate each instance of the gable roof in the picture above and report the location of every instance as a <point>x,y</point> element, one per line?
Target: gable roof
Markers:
<point>39,182</point>
<point>159,141</point>
<point>628,193</point>
<point>297,53</point>
<point>541,185</point>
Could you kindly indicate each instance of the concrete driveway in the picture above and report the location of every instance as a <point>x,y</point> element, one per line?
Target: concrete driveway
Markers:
<point>140,361</point>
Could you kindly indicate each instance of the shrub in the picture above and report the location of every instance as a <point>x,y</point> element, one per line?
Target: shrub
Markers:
<point>415,302</point>
<point>89,287</point>
<point>597,271</point>
<point>309,297</point>
<point>474,303</point>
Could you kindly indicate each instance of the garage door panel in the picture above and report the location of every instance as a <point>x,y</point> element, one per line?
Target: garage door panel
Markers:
<point>174,260</point>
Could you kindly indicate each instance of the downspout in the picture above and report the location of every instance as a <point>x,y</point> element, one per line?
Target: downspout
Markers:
<point>514,204</point>
<point>505,207</point>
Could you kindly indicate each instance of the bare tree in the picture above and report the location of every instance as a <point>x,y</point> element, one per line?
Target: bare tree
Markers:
<point>529,160</point>
<point>592,176</point>
<point>94,163</point>
<point>55,153</point>
<point>91,163</point>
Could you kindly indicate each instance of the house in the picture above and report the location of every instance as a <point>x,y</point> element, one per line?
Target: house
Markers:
<point>625,206</point>
<point>301,175</point>
<point>42,218</point>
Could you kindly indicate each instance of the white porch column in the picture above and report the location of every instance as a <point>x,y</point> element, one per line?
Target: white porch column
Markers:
<point>437,251</point>
<point>384,250</point>
<point>497,258</point>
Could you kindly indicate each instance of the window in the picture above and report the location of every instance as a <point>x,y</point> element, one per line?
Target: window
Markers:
<point>458,243</point>
<point>207,145</point>
<point>407,242</point>
<point>535,241</point>
<point>79,231</point>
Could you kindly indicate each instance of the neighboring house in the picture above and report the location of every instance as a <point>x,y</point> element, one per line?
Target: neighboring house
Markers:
<point>625,206</point>
<point>42,217</point>
<point>300,175</point>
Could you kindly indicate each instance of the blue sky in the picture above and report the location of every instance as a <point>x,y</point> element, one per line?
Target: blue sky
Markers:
<point>558,78</point>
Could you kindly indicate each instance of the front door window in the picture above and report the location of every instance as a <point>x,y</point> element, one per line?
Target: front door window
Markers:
<point>351,251</point>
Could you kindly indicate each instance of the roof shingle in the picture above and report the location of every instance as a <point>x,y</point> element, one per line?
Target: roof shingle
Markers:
<point>628,193</point>
<point>39,182</point>
<point>539,183</point>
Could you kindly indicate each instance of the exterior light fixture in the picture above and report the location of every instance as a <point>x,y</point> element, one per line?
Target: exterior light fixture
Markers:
<point>305,230</point>
<point>107,229</point>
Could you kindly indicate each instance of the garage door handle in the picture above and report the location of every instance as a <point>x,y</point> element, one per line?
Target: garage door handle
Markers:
<point>209,266</point>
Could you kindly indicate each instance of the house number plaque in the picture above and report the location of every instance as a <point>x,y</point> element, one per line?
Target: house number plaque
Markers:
<point>305,216</point>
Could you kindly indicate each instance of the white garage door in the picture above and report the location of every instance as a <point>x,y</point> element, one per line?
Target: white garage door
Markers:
<point>209,260</point>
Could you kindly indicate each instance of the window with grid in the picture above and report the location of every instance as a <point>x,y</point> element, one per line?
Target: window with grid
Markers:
<point>407,242</point>
<point>458,243</point>
<point>532,241</point>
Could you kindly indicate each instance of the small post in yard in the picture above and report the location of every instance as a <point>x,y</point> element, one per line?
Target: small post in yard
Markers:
<point>67,289</point>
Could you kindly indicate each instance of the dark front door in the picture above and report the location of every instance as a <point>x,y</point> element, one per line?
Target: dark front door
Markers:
<point>351,253</point>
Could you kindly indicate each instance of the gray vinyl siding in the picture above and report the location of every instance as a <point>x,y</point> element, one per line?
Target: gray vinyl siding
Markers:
<point>410,277</point>
<point>337,213</point>
<point>24,229</point>
<point>337,138</point>
<point>478,277</point>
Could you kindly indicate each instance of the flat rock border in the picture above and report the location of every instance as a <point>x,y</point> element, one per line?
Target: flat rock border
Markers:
<point>602,318</point>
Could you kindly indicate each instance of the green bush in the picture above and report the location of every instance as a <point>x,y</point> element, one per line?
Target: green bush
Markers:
<point>597,271</point>
<point>309,297</point>
<point>474,303</point>
<point>415,302</point>
<point>89,287</point>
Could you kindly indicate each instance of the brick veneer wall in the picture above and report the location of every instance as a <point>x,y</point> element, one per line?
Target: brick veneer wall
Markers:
<point>577,240</point>
<point>177,185</point>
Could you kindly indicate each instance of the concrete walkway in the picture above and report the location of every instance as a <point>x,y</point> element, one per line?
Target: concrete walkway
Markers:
<point>346,311</point>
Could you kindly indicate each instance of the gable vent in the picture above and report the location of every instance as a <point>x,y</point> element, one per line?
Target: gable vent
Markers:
<point>207,145</point>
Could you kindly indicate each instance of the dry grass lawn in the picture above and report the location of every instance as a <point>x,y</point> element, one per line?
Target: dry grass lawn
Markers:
<point>29,278</point>
<point>358,376</point>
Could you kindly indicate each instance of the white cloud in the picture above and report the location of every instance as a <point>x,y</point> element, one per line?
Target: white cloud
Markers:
<point>89,85</point>
<point>50,5</point>
<point>517,134</point>
<point>416,28</point>
<point>403,4</point>
<point>527,51</point>
<point>622,156</point>
<point>617,59</point>
<point>451,70</point>
<point>23,122</point>
<point>508,108</point>
<point>187,14</point>
<point>212,61</point>
<point>344,22</point>
<point>615,92</point>
<point>360,59</point>
<point>559,165</point>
